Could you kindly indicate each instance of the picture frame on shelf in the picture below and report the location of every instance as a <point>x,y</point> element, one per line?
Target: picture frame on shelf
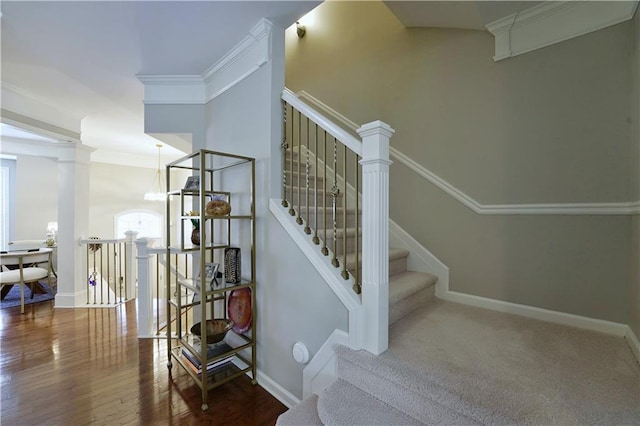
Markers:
<point>193,183</point>
<point>211,274</point>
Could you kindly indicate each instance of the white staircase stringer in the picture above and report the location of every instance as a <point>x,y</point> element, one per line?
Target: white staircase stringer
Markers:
<point>420,259</point>
<point>330,274</point>
<point>320,372</point>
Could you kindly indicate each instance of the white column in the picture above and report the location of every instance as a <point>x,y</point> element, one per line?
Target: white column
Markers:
<point>73,223</point>
<point>131,265</point>
<point>375,235</point>
<point>145,294</point>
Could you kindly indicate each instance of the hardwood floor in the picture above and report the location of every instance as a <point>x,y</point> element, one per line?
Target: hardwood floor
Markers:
<point>87,366</point>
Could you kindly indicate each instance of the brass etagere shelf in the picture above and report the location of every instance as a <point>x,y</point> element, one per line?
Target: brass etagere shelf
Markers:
<point>193,303</point>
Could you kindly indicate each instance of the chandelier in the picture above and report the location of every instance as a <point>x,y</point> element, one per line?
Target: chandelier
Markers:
<point>156,193</point>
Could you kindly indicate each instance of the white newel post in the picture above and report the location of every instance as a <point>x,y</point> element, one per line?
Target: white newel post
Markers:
<point>375,235</point>
<point>145,297</point>
<point>130,278</point>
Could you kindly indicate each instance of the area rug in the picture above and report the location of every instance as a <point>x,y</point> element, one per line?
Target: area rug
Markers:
<point>12,299</point>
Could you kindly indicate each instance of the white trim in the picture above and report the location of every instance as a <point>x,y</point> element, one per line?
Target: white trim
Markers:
<point>633,342</point>
<point>547,315</point>
<point>352,142</point>
<point>173,89</point>
<point>320,372</point>
<point>240,62</point>
<point>326,109</point>
<point>420,259</point>
<point>277,390</point>
<point>552,22</point>
<point>619,208</point>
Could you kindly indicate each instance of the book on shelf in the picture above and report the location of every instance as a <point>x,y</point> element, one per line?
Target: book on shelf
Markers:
<point>212,351</point>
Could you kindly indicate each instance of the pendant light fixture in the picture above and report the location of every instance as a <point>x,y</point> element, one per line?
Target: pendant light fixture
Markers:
<point>156,193</point>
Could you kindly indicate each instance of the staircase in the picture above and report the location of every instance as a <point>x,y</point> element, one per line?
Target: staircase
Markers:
<point>359,396</point>
<point>520,371</point>
<point>408,290</point>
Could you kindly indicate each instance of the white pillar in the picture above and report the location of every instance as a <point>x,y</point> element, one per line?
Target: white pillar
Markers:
<point>375,235</point>
<point>131,265</point>
<point>73,223</point>
<point>145,295</point>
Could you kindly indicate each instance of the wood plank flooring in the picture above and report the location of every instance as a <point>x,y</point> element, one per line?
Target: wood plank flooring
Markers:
<point>87,366</point>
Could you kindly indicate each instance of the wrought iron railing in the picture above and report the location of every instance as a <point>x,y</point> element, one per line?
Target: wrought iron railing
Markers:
<point>321,189</point>
<point>108,271</point>
<point>336,185</point>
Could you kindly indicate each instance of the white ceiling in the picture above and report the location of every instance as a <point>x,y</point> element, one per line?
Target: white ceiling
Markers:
<point>81,57</point>
<point>471,15</point>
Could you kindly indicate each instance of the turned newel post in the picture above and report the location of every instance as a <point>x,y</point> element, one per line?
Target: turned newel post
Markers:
<point>375,236</point>
<point>145,297</point>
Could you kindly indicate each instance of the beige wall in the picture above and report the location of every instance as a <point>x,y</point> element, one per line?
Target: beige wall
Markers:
<point>551,126</point>
<point>635,251</point>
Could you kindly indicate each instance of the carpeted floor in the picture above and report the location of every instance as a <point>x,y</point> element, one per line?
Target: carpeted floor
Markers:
<point>12,299</point>
<point>537,372</point>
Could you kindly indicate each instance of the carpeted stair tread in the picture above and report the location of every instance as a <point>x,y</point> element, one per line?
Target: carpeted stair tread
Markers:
<point>397,261</point>
<point>420,394</point>
<point>409,291</point>
<point>344,404</point>
<point>407,283</point>
<point>305,413</point>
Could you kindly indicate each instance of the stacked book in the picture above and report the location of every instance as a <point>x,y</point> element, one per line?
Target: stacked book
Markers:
<point>213,351</point>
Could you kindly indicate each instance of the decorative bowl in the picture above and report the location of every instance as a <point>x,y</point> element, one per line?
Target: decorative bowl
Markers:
<point>216,329</point>
<point>218,208</point>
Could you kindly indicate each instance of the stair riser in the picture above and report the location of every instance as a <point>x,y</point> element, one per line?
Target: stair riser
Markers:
<point>351,245</point>
<point>328,200</point>
<point>340,219</point>
<point>292,178</point>
<point>396,266</point>
<point>407,305</point>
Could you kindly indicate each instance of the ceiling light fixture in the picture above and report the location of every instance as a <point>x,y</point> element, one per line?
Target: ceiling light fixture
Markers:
<point>300,29</point>
<point>160,195</point>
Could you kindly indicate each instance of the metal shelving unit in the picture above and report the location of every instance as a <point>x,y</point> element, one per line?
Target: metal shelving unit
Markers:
<point>233,177</point>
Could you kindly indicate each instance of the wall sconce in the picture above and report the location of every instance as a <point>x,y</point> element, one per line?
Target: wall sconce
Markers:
<point>300,29</point>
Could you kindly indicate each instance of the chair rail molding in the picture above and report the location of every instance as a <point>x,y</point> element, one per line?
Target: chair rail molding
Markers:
<point>552,22</point>
<point>239,63</point>
<point>595,208</point>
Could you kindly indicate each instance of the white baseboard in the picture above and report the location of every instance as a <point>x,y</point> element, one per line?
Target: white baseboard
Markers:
<point>633,342</point>
<point>275,389</point>
<point>547,315</point>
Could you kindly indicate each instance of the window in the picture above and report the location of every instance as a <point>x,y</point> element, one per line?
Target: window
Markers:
<point>146,223</point>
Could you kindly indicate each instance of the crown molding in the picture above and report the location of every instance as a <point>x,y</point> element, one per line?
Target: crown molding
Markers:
<point>240,62</point>
<point>173,89</point>
<point>552,22</point>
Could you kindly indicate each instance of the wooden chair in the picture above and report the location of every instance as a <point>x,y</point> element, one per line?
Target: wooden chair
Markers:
<point>27,270</point>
